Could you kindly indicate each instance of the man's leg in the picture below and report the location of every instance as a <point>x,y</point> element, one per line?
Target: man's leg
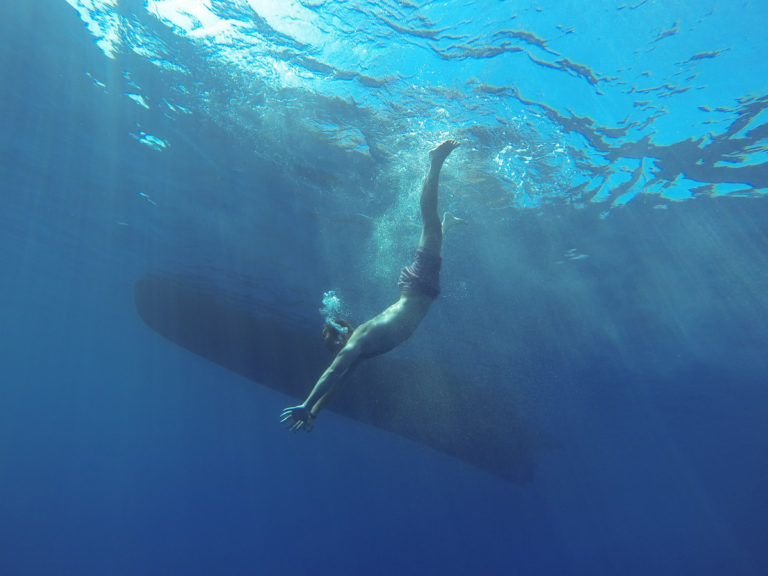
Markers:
<point>432,231</point>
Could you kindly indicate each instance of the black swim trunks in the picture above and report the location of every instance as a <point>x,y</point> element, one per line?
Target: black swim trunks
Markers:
<point>423,275</point>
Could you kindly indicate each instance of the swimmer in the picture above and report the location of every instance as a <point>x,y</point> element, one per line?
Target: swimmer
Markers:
<point>419,285</point>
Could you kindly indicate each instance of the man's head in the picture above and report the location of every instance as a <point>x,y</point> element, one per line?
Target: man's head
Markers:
<point>336,333</point>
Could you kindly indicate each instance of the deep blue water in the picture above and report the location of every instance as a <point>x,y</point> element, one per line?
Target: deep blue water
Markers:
<point>612,276</point>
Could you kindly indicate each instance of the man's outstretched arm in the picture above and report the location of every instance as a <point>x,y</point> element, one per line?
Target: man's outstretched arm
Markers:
<point>303,415</point>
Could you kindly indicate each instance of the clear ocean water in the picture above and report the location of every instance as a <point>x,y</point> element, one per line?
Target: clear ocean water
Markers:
<point>611,279</point>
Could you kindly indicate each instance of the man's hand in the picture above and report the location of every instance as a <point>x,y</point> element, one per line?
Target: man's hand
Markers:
<point>298,417</point>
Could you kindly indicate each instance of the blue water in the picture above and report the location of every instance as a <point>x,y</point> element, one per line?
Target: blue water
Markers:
<point>612,276</point>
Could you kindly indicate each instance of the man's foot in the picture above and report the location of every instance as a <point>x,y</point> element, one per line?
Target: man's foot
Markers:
<point>440,153</point>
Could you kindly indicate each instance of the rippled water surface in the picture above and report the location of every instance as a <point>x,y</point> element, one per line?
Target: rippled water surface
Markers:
<point>555,103</point>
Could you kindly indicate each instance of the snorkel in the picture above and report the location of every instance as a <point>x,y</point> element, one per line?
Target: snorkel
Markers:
<point>336,331</point>
<point>338,327</point>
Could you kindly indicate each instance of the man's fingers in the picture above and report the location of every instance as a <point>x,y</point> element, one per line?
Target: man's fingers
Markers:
<point>291,417</point>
